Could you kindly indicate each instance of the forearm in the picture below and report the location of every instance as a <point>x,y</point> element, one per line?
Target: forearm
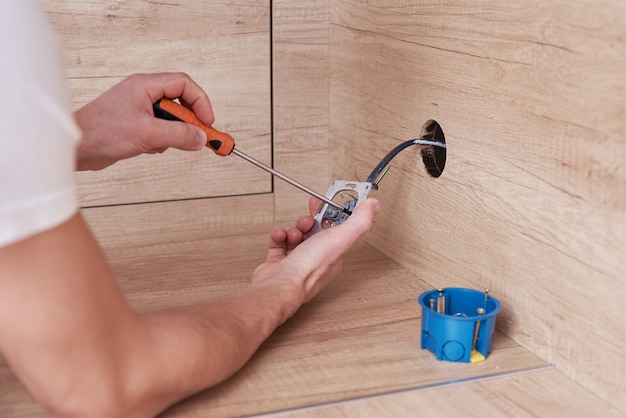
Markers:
<point>198,346</point>
<point>70,336</point>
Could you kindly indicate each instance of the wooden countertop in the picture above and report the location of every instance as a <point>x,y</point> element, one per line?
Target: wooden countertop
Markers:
<point>354,350</point>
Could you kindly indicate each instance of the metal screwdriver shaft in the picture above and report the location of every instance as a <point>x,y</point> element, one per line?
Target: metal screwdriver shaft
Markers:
<point>289,180</point>
<point>223,144</point>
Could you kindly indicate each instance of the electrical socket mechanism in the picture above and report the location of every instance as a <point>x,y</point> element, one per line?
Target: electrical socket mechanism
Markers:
<point>348,194</point>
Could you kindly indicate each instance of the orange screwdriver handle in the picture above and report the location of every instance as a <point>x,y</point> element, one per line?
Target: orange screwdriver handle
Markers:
<point>221,143</point>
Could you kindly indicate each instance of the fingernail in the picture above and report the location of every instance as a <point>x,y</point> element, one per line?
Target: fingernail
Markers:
<point>200,139</point>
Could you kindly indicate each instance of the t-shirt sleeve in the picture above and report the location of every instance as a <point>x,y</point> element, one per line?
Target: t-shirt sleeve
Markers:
<point>38,133</point>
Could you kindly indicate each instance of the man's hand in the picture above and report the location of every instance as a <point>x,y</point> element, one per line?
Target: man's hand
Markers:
<point>310,265</point>
<point>71,337</point>
<point>120,123</point>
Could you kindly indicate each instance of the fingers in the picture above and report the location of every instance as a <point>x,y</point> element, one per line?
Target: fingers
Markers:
<point>357,225</point>
<point>120,123</point>
<point>282,242</point>
<point>277,246</point>
<point>338,240</point>
<point>328,246</point>
<point>180,85</point>
<point>360,222</point>
<point>294,238</point>
<point>314,204</point>
<point>317,261</point>
<point>305,223</point>
<point>162,134</point>
<point>182,136</point>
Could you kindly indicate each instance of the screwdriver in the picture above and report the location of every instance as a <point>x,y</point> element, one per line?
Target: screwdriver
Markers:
<point>223,144</point>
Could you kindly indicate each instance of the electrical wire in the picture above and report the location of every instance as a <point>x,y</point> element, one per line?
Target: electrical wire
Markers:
<point>384,165</point>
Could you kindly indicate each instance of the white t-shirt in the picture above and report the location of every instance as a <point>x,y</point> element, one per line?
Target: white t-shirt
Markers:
<point>38,133</point>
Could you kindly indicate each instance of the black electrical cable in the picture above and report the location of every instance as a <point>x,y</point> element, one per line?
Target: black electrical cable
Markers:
<point>383,166</point>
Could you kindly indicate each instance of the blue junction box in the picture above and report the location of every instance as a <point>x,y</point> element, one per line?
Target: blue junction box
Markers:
<point>449,320</point>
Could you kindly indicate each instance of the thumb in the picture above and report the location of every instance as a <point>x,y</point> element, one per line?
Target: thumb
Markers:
<point>343,237</point>
<point>361,220</point>
<point>180,135</point>
<point>332,243</point>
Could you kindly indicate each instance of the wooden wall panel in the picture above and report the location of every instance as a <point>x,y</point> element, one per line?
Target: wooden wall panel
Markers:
<point>532,203</point>
<point>224,46</point>
<point>300,98</point>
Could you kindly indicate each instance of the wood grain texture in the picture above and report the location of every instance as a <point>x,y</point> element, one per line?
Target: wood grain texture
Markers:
<point>532,201</point>
<point>224,46</point>
<point>359,337</point>
<point>538,394</point>
<point>531,204</point>
<point>172,253</point>
<point>300,66</point>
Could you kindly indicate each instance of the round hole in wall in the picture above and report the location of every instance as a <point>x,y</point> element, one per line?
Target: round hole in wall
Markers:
<point>434,156</point>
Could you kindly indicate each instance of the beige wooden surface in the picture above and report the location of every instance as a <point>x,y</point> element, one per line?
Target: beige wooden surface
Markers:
<point>546,393</point>
<point>359,337</point>
<point>365,324</point>
<point>300,66</point>
<point>532,202</point>
<point>225,47</point>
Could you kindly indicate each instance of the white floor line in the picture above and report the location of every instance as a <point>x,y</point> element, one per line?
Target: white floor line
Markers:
<point>315,407</point>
